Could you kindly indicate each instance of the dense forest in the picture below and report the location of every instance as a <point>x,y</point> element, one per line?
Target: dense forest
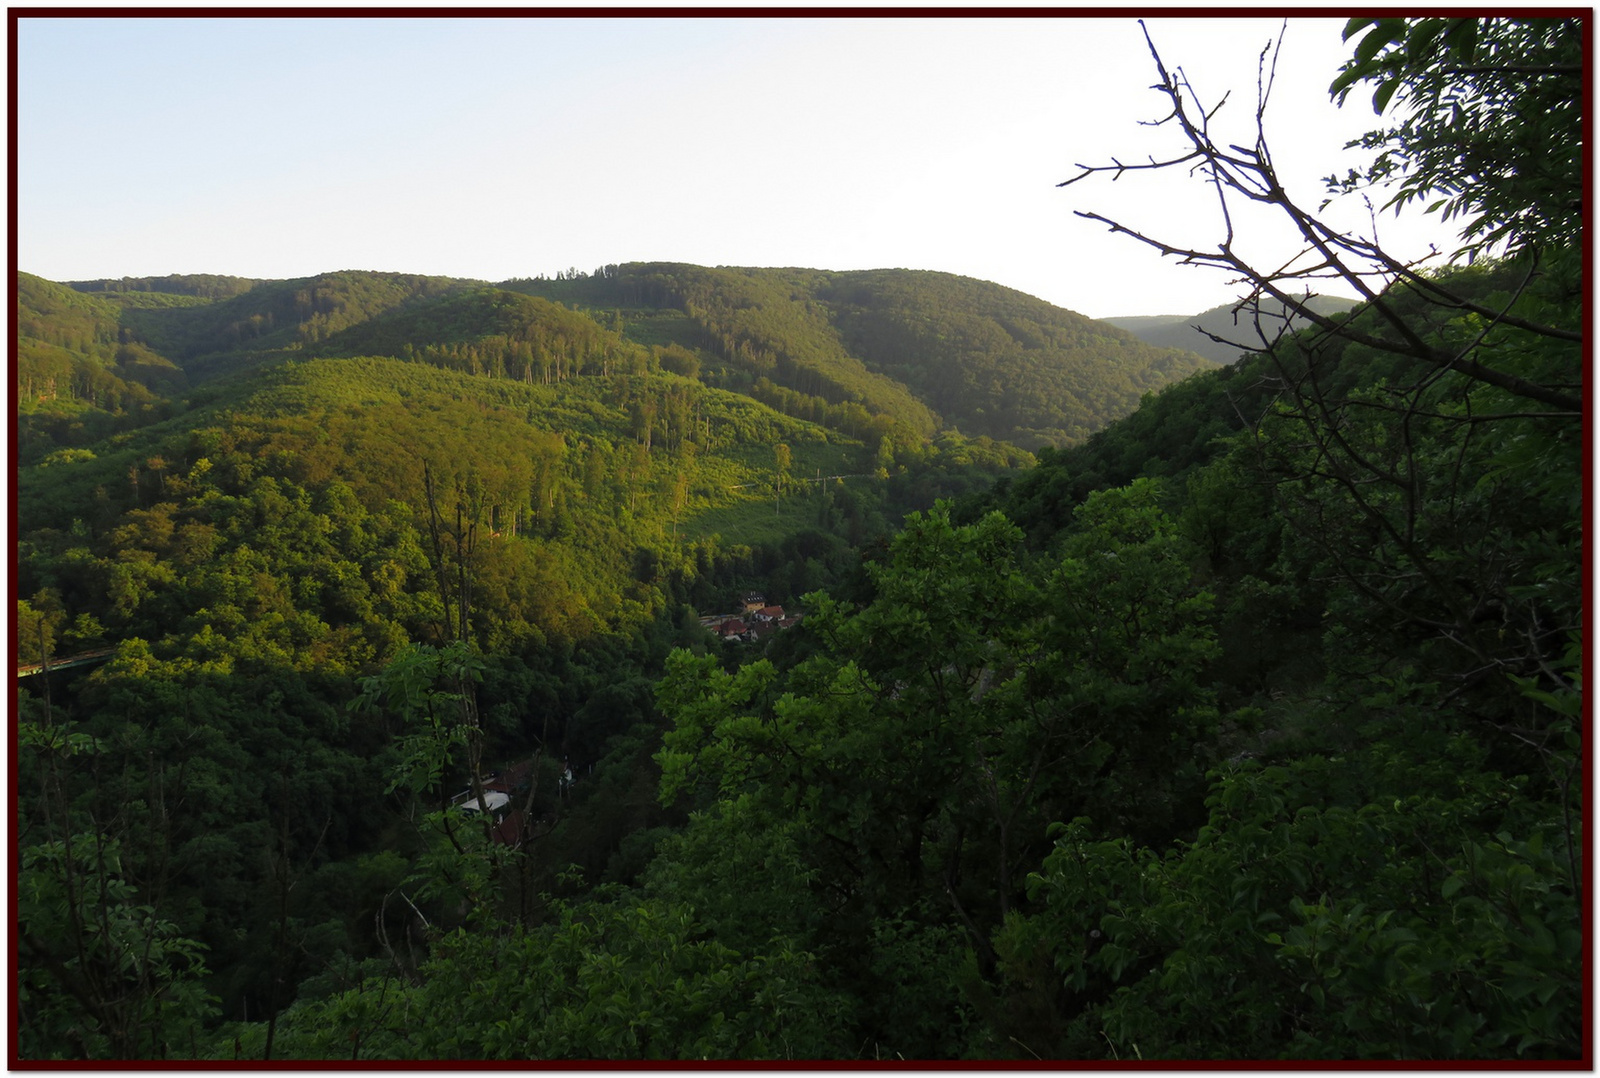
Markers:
<point>373,702</point>
<point>929,349</point>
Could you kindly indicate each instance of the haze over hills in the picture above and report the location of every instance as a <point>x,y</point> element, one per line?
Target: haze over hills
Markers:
<point>1198,333</point>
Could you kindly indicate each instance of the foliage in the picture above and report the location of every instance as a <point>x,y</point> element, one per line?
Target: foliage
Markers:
<point>920,349</point>
<point>904,772</point>
<point>103,974</point>
<point>613,978</point>
<point>1380,905</point>
<point>1486,121</point>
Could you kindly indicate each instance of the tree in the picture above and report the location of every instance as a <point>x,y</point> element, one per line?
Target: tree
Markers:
<point>431,690</point>
<point>780,481</point>
<point>1395,430</point>
<point>1488,120</point>
<point>102,972</point>
<point>615,977</point>
<point>1424,453</point>
<point>37,625</point>
<point>908,769</point>
<point>1349,909</point>
<point>1238,172</point>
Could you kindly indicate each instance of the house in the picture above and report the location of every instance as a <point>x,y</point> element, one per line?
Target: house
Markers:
<point>498,787</point>
<point>493,800</point>
<point>756,621</point>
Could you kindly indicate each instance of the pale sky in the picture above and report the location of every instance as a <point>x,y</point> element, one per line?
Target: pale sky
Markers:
<point>512,147</point>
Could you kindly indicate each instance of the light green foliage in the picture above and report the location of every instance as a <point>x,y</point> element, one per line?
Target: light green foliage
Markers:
<point>426,687</point>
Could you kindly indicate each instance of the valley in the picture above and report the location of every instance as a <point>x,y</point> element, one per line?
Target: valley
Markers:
<point>732,663</point>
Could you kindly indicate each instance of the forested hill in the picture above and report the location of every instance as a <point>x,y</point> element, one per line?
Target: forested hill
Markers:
<point>245,499</point>
<point>980,357</point>
<point>925,351</point>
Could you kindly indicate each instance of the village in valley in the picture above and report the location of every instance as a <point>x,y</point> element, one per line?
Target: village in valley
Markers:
<point>756,621</point>
<point>501,789</point>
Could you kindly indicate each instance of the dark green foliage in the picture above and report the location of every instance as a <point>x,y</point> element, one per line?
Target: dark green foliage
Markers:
<point>203,286</point>
<point>905,770</point>
<point>1486,122</point>
<point>1395,902</point>
<point>496,333</point>
<point>993,361</point>
<point>610,980</point>
<point>245,329</point>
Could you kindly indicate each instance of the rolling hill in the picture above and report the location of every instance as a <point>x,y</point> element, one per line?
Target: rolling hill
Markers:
<point>972,355</point>
<point>1198,333</point>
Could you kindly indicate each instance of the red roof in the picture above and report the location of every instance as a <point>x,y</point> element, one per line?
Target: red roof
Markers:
<point>508,832</point>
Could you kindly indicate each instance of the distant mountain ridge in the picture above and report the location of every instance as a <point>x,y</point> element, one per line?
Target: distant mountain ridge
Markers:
<point>985,359</point>
<point>923,350</point>
<point>1196,333</point>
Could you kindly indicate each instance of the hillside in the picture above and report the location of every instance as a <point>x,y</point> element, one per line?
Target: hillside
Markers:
<point>246,497</point>
<point>545,426</point>
<point>868,353</point>
<point>972,355</point>
<point>1198,333</point>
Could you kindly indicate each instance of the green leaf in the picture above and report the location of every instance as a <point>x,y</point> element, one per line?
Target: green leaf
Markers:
<point>1384,33</point>
<point>1421,38</point>
<point>1462,37</point>
<point>1385,91</point>
<point>1354,27</point>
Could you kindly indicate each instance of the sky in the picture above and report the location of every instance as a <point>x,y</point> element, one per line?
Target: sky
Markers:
<point>491,148</point>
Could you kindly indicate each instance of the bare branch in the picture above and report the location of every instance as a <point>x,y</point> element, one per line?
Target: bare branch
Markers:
<point>1248,172</point>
